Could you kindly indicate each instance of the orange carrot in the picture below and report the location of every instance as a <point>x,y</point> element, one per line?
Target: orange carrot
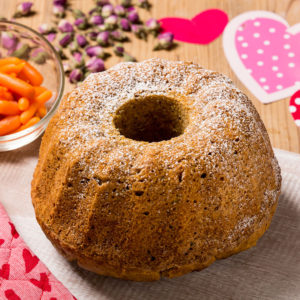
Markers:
<point>12,68</point>
<point>23,103</point>
<point>29,123</point>
<point>9,60</point>
<point>28,113</point>
<point>9,108</point>
<point>9,124</point>
<point>17,85</point>
<point>43,97</point>
<point>39,90</point>
<point>42,111</point>
<point>32,74</point>
<point>7,96</point>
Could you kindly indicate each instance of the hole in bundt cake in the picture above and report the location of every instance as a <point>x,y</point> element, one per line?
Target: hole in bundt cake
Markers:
<point>151,119</point>
<point>139,193</point>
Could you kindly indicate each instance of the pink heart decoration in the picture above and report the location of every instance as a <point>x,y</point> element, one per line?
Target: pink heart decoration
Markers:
<point>30,260</point>
<point>264,52</point>
<point>295,107</point>
<point>202,29</point>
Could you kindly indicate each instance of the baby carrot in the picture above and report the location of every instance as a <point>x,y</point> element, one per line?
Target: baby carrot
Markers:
<point>7,96</point>
<point>23,103</point>
<point>17,85</point>
<point>9,108</point>
<point>42,111</point>
<point>9,124</point>
<point>32,74</point>
<point>43,97</point>
<point>12,68</point>
<point>39,90</point>
<point>29,123</point>
<point>28,113</point>
<point>9,60</point>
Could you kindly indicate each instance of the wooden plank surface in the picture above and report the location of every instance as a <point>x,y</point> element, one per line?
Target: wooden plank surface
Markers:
<point>283,132</point>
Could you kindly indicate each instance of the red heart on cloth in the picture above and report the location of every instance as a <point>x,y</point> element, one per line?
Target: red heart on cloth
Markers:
<point>4,271</point>
<point>202,29</point>
<point>1,241</point>
<point>295,107</point>
<point>43,283</point>
<point>30,260</point>
<point>11,295</point>
<point>14,232</point>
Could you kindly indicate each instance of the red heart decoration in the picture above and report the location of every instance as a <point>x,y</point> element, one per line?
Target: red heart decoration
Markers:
<point>14,232</point>
<point>43,283</point>
<point>202,29</point>
<point>4,271</point>
<point>11,295</point>
<point>1,241</point>
<point>30,260</point>
<point>295,107</point>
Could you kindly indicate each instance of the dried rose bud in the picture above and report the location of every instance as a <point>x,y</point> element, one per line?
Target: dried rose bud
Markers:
<point>95,65</point>
<point>165,41</point>
<point>46,28</point>
<point>59,11</point>
<point>119,49</point>
<point>152,25</point>
<point>60,52</point>
<point>95,11</point>
<point>9,40</point>
<point>81,40</point>
<point>103,38</point>
<point>124,24</point>
<point>95,51</point>
<point>73,46</point>
<point>128,58</point>
<point>126,3</point>
<point>96,20</point>
<point>75,76</point>
<point>39,56</point>
<point>81,23</point>
<point>65,39</point>
<point>120,10</point>
<point>111,22</point>
<point>139,31</point>
<point>133,17</point>
<point>77,13</point>
<point>102,27</point>
<point>92,35</point>
<point>22,51</point>
<point>144,4</point>
<point>78,60</point>
<point>51,37</point>
<point>67,67</point>
<point>60,2</point>
<point>107,10</point>
<point>65,26</point>
<point>118,36</point>
<point>23,9</point>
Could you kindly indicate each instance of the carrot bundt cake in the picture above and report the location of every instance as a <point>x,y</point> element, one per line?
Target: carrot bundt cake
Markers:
<point>155,169</point>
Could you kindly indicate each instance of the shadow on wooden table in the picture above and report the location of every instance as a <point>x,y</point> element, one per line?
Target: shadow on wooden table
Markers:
<point>271,270</point>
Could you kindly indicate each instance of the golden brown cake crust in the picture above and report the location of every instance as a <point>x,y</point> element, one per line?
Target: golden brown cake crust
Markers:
<point>141,210</point>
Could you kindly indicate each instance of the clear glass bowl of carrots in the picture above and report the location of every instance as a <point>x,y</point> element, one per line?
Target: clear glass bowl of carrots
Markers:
<point>31,84</point>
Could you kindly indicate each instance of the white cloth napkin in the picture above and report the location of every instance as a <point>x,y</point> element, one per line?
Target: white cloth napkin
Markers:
<point>271,270</point>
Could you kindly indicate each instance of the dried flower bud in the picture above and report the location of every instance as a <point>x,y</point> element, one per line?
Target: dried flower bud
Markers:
<point>51,37</point>
<point>133,17</point>
<point>46,28</point>
<point>119,49</point>
<point>95,51</point>
<point>65,26</point>
<point>111,22</point>
<point>65,39</point>
<point>118,36</point>
<point>128,58</point>
<point>23,9</point>
<point>92,35</point>
<point>96,20</point>
<point>95,65</point>
<point>153,26</point>
<point>73,46</point>
<point>75,76</point>
<point>101,3</point>
<point>67,67</point>
<point>144,4</point>
<point>139,31</point>
<point>103,38</point>
<point>126,3</point>
<point>165,41</point>
<point>95,11</point>
<point>124,24</point>
<point>120,10</point>
<point>39,56</point>
<point>77,13</point>
<point>107,10</point>
<point>60,52</point>
<point>81,40</point>
<point>78,60</point>
<point>22,51</point>
<point>59,11</point>
<point>81,23</point>
<point>9,40</point>
<point>60,2</point>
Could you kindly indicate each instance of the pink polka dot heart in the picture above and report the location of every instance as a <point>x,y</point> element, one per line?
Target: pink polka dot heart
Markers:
<point>295,107</point>
<point>264,52</point>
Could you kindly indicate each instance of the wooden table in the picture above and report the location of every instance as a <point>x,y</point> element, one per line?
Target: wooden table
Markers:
<point>283,132</point>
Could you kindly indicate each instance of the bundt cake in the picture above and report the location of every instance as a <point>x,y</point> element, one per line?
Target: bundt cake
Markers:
<point>155,169</point>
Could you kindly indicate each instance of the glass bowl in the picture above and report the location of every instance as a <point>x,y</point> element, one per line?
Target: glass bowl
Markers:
<point>52,71</point>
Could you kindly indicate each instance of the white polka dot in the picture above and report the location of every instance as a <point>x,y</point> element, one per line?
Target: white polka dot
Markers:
<point>249,71</point>
<point>245,45</point>
<point>274,68</point>
<point>287,46</point>
<point>291,65</point>
<point>267,43</point>
<point>240,38</point>
<point>260,63</point>
<point>292,108</point>
<point>266,87</point>
<point>291,54</point>
<point>244,56</point>
<point>279,87</point>
<point>272,30</point>
<point>241,28</point>
<point>279,75</point>
<point>274,57</point>
<point>297,122</point>
<point>256,23</point>
<point>286,36</point>
<point>256,35</point>
<point>297,101</point>
<point>260,51</point>
<point>262,79</point>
